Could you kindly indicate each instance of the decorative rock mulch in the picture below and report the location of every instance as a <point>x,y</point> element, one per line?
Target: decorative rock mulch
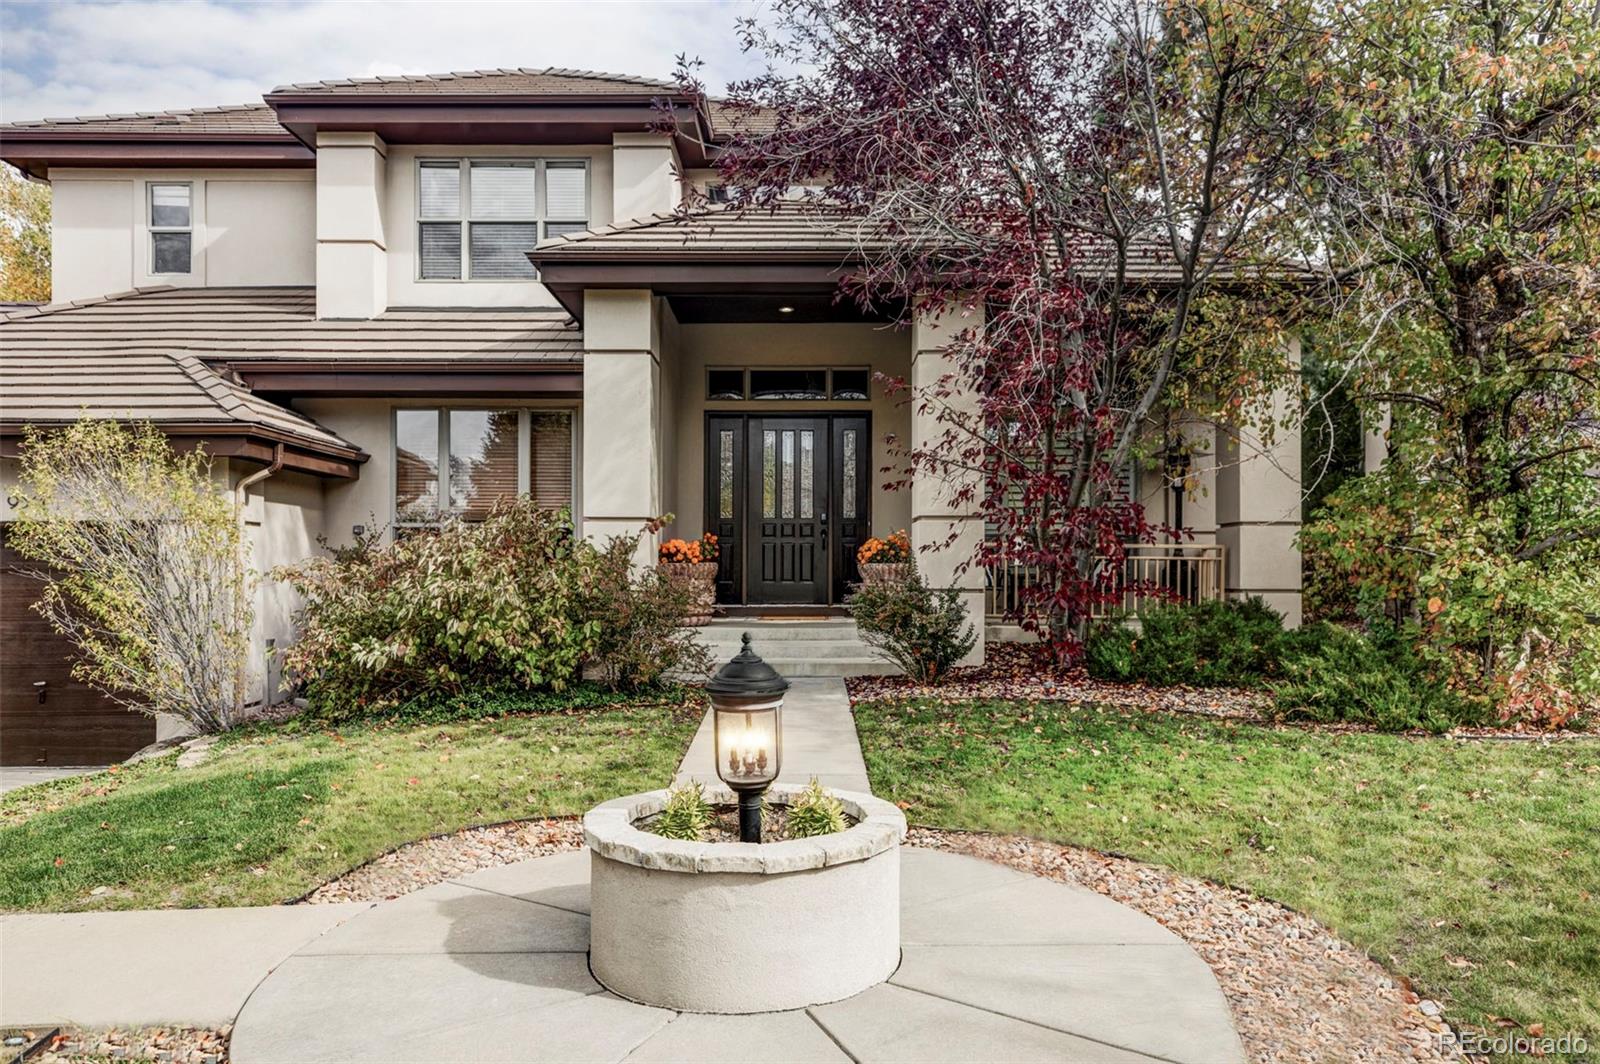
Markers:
<point>179,1045</point>
<point>429,861</point>
<point>1297,991</point>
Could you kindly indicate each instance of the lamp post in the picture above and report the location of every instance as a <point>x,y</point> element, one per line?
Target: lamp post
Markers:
<point>746,720</point>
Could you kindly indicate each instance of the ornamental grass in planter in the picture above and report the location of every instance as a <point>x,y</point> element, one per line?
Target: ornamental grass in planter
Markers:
<point>886,560</point>
<point>694,564</point>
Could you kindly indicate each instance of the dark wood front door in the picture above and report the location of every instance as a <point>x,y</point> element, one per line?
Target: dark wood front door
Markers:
<point>787,497</point>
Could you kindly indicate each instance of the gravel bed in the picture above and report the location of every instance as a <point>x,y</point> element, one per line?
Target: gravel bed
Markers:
<point>180,1045</point>
<point>429,861</point>
<point>1298,992</point>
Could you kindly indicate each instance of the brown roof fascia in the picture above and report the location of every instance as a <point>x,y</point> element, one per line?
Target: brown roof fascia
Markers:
<point>223,441</point>
<point>560,380</point>
<point>406,117</point>
<point>744,273</point>
<point>36,150</point>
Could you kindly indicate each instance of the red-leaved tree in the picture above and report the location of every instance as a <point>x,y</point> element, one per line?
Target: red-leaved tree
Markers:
<point>1074,176</point>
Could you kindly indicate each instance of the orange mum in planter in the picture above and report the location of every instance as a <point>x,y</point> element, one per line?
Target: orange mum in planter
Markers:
<point>692,552</point>
<point>893,549</point>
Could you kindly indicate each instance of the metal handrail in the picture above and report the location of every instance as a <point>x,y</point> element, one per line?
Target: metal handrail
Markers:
<point>1151,574</point>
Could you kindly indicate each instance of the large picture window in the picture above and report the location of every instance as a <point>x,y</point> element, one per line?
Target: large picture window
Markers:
<point>459,463</point>
<point>477,218</point>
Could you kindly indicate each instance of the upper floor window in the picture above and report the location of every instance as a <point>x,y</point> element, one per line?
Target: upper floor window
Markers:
<point>171,227</point>
<point>477,218</point>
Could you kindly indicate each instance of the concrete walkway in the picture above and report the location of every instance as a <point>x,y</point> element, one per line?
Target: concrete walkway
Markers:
<point>149,967</point>
<point>493,966</point>
<point>15,776</point>
<point>819,739</point>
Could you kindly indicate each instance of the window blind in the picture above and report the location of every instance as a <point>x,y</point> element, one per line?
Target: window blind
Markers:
<point>499,249</point>
<point>439,192</point>
<point>550,459</point>
<point>441,250</point>
<point>416,465</point>
<point>483,461</point>
<point>505,191</point>
<point>566,194</point>
<point>169,206</point>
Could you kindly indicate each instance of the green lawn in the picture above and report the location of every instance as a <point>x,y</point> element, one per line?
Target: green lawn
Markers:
<point>1473,868</point>
<point>274,812</point>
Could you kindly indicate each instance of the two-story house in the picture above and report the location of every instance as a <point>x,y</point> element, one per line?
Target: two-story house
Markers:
<point>407,297</point>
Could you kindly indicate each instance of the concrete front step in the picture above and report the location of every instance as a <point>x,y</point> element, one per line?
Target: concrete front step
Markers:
<point>831,647</point>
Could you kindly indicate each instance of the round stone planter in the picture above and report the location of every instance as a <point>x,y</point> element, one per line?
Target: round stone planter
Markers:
<point>875,573</point>
<point>739,927</point>
<point>702,580</point>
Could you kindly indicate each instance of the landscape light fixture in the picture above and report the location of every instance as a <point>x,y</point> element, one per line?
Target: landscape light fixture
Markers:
<point>747,725</point>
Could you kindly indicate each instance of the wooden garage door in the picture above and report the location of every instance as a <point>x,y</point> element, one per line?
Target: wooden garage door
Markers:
<point>72,724</point>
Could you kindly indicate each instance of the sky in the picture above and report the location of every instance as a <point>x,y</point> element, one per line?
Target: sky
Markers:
<point>75,57</point>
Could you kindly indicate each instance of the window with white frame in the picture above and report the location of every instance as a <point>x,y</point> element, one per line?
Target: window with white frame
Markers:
<point>171,227</point>
<point>459,463</point>
<point>478,218</point>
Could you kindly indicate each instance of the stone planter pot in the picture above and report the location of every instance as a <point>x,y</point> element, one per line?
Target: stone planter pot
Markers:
<point>702,580</point>
<point>875,573</point>
<point>739,927</point>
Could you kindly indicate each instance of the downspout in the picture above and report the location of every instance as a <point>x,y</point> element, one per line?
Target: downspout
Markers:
<point>241,497</point>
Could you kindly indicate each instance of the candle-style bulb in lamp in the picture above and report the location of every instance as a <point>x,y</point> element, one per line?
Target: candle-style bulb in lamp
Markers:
<point>747,722</point>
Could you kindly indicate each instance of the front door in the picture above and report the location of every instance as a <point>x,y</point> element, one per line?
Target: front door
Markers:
<point>788,487</point>
<point>787,497</point>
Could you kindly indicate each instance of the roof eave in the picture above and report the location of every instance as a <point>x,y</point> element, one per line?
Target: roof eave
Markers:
<point>231,439</point>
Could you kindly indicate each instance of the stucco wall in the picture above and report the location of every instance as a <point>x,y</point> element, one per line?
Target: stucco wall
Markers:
<point>369,499</point>
<point>283,517</point>
<point>251,227</point>
<point>407,290</point>
<point>837,345</point>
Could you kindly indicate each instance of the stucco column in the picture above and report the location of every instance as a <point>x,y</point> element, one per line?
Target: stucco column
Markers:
<point>352,248</point>
<point>622,417</point>
<point>644,177</point>
<point>935,516</point>
<point>1258,504</point>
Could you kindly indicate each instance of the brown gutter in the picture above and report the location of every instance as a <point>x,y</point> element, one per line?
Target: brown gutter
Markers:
<point>252,444</point>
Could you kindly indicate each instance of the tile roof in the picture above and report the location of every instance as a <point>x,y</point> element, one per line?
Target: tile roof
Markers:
<point>728,120</point>
<point>280,324</point>
<point>789,230</point>
<point>551,81</point>
<point>247,119</point>
<point>799,230</point>
<point>152,354</point>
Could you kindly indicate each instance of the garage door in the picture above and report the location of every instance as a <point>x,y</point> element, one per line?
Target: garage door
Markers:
<point>47,717</point>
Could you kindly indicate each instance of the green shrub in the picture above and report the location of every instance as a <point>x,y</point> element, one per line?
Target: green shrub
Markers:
<point>1336,675</point>
<point>687,814</point>
<point>1234,643</point>
<point>493,605</point>
<point>923,631</point>
<point>639,616</point>
<point>815,812</point>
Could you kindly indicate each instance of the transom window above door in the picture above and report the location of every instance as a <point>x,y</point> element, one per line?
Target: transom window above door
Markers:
<point>789,383</point>
<point>478,218</point>
<point>459,463</point>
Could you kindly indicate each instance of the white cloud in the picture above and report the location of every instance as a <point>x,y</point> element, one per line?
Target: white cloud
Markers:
<point>94,58</point>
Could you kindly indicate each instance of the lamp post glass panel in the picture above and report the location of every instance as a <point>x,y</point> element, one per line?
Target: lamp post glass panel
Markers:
<point>747,722</point>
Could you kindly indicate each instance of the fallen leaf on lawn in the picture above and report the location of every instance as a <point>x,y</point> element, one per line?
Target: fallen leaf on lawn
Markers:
<point>412,782</point>
<point>1536,1030</point>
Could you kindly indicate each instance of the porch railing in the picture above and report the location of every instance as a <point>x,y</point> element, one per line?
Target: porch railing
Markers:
<point>1151,574</point>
